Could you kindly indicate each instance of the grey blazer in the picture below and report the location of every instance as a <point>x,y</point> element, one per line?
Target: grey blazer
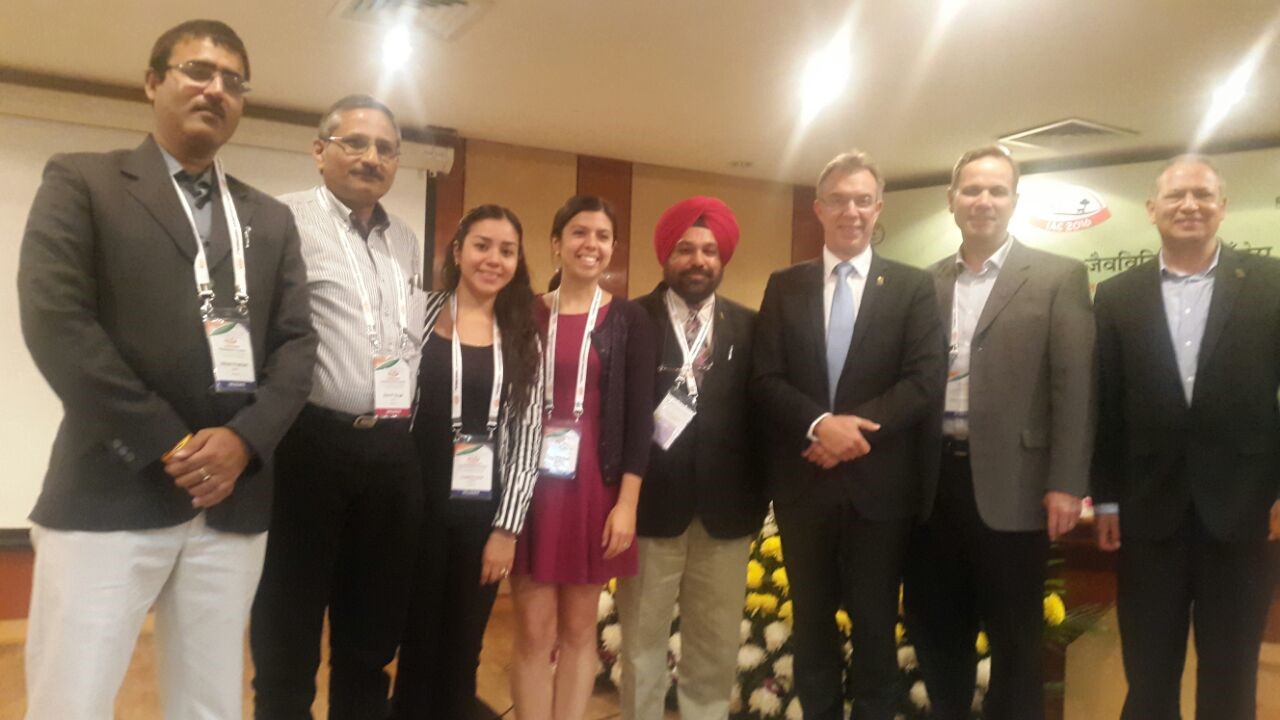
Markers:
<point>110,313</point>
<point>1031,390</point>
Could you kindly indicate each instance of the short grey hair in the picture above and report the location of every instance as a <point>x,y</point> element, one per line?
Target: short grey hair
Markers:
<point>331,118</point>
<point>848,163</point>
<point>1190,159</point>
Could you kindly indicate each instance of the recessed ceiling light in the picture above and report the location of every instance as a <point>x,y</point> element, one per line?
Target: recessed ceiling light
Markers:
<point>396,47</point>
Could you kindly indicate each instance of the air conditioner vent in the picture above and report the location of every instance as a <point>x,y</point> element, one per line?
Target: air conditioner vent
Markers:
<point>1068,134</point>
<point>446,19</point>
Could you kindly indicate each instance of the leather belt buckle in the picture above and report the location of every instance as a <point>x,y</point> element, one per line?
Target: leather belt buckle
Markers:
<point>364,422</point>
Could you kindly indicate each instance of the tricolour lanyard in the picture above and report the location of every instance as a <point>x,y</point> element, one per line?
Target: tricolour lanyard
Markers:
<point>690,353</point>
<point>204,283</point>
<point>495,396</point>
<point>580,391</point>
<point>366,305</point>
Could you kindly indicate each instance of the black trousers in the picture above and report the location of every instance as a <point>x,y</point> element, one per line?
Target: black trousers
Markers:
<point>344,533</point>
<point>837,557</point>
<point>963,576</point>
<point>1192,579</point>
<point>448,612</point>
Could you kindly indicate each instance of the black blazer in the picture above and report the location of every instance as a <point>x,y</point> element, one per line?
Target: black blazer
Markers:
<point>895,374</point>
<point>1157,456</point>
<point>712,470</point>
<point>110,314</point>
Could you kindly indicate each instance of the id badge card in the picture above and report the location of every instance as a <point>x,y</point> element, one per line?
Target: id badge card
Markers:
<point>231,350</point>
<point>957,402</point>
<point>670,419</point>
<point>559,450</point>
<point>392,386</point>
<point>473,462</point>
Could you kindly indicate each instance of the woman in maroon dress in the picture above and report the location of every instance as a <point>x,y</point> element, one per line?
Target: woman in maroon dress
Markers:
<point>579,532</point>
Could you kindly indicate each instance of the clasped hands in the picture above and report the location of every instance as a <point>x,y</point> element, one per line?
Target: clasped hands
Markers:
<point>208,464</point>
<point>839,439</point>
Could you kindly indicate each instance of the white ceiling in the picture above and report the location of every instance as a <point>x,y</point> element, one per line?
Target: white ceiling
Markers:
<point>701,84</point>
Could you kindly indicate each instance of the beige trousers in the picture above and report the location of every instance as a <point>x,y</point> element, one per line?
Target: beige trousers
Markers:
<point>708,577</point>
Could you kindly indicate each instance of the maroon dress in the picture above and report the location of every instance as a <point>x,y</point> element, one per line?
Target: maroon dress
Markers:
<point>561,541</point>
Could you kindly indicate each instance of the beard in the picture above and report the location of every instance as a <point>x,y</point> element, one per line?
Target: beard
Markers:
<point>693,286</point>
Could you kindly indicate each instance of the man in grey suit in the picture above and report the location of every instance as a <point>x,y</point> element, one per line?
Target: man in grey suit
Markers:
<point>181,351</point>
<point>1018,431</point>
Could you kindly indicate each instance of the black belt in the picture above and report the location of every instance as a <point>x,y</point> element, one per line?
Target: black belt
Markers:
<point>955,447</point>
<point>359,422</point>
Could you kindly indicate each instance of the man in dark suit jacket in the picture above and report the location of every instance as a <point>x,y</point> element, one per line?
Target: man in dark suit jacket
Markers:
<point>1018,431</point>
<point>702,498</point>
<point>848,372</point>
<point>1187,461</point>
<point>159,488</point>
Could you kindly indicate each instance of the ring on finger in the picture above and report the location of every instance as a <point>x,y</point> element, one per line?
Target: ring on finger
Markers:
<point>205,476</point>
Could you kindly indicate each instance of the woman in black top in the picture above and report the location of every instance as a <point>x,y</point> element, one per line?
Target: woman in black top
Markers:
<point>475,507</point>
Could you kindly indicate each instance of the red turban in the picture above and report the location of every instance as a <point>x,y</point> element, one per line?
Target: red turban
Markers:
<point>680,217</point>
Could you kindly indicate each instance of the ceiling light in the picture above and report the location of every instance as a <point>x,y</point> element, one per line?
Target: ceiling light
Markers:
<point>825,75</point>
<point>396,48</point>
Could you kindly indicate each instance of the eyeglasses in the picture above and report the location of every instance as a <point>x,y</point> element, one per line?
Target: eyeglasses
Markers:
<point>202,73</point>
<point>840,202</point>
<point>358,145</point>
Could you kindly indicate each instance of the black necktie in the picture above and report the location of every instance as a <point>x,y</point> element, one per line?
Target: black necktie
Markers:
<point>198,187</point>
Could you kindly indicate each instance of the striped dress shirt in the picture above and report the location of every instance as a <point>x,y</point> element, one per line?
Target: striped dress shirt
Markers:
<point>343,376</point>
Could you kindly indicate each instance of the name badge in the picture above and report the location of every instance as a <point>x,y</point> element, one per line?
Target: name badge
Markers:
<point>670,419</point>
<point>473,462</point>
<point>231,349</point>
<point>392,386</point>
<point>559,451</point>
<point>957,401</point>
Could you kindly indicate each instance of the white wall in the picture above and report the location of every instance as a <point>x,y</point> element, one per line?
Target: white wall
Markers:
<point>37,124</point>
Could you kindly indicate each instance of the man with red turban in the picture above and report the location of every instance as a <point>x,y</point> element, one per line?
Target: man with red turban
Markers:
<point>703,498</point>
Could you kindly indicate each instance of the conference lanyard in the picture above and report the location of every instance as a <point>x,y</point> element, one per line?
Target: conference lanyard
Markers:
<point>580,390</point>
<point>690,353</point>
<point>204,283</point>
<point>366,304</point>
<point>456,396</point>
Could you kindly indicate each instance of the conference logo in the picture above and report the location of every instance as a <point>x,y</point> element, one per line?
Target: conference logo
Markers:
<point>1064,208</point>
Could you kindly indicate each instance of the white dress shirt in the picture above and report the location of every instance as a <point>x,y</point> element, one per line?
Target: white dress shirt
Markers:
<point>857,281</point>
<point>972,290</point>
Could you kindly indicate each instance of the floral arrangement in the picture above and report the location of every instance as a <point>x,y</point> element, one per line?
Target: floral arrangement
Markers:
<point>765,686</point>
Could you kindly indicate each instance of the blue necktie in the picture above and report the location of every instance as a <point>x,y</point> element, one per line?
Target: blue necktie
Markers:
<point>839,328</point>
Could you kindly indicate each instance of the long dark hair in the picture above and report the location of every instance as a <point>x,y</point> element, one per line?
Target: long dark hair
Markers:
<point>513,308</point>
<point>573,206</point>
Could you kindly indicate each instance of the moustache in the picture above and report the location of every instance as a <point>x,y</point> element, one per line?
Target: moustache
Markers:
<point>216,109</point>
<point>367,174</point>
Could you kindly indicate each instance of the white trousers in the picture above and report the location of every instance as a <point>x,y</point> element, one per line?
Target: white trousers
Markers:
<point>90,594</point>
<point>709,576</point>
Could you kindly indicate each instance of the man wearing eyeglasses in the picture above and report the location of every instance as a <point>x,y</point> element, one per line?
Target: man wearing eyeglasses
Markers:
<point>181,352</point>
<point>348,497</point>
<point>849,369</point>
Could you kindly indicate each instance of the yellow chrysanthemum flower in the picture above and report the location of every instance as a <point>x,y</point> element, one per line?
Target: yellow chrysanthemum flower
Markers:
<point>779,579</point>
<point>772,547</point>
<point>755,574</point>
<point>784,612</point>
<point>761,603</point>
<point>843,622</point>
<point>982,645</point>
<point>1054,611</point>
<point>899,632</point>
<point>613,586</point>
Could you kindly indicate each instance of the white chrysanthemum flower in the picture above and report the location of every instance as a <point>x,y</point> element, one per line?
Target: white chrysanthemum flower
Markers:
<point>673,646</point>
<point>744,631</point>
<point>764,701</point>
<point>907,658</point>
<point>978,695</point>
<point>735,699</point>
<point>794,712</point>
<point>605,608</point>
<point>776,634</point>
<point>675,611</point>
<point>611,637</point>
<point>750,656</point>
<point>848,650</point>
<point>984,672</point>
<point>769,529</point>
<point>920,696</point>
<point>615,675</point>
<point>784,670</point>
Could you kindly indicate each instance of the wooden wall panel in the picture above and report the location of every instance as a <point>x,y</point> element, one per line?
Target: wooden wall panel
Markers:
<point>15,583</point>
<point>447,192</point>
<point>806,231</point>
<point>611,180</point>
